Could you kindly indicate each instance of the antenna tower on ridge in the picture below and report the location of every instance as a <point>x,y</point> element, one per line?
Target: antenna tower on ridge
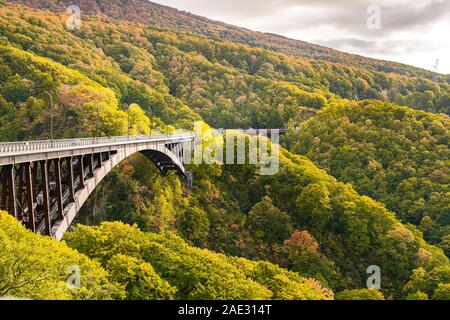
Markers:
<point>436,76</point>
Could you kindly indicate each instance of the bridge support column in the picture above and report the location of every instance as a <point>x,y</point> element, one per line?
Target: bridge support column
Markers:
<point>70,179</point>
<point>9,190</point>
<point>35,181</point>
<point>91,165</point>
<point>4,199</point>
<point>81,172</point>
<point>58,190</point>
<point>30,198</point>
<point>46,199</point>
<point>100,160</point>
<point>21,195</point>
<point>190,179</point>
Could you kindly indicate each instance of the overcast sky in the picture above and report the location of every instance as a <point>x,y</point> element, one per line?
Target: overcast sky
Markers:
<point>415,32</point>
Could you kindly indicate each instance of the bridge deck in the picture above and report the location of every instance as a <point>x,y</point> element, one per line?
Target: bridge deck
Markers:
<point>8,149</point>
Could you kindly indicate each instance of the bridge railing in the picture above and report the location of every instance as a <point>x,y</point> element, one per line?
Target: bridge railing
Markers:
<point>44,145</point>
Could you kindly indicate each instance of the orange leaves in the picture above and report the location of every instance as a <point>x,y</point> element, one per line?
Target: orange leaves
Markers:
<point>300,242</point>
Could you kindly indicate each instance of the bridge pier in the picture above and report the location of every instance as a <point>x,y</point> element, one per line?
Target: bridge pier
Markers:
<point>9,197</point>
<point>190,179</point>
<point>81,172</point>
<point>70,178</point>
<point>30,198</point>
<point>58,188</point>
<point>46,197</point>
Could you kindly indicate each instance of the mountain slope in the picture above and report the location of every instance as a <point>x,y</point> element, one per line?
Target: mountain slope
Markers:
<point>301,218</point>
<point>170,75</point>
<point>144,11</point>
<point>393,154</point>
<point>142,271</point>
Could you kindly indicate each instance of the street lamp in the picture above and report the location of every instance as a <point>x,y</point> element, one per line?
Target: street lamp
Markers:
<point>51,115</point>
<point>150,125</point>
<point>129,122</point>
<point>97,124</point>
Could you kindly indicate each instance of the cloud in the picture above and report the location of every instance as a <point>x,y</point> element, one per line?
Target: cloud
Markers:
<point>389,47</point>
<point>405,17</point>
<point>344,16</point>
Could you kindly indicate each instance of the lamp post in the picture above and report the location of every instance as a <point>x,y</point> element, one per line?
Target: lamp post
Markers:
<point>150,125</point>
<point>129,122</point>
<point>51,115</point>
<point>97,122</point>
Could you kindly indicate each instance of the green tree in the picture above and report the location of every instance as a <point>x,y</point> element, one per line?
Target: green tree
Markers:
<point>195,273</point>
<point>442,292</point>
<point>419,295</point>
<point>268,223</point>
<point>360,294</point>
<point>36,267</point>
<point>314,207</point>
<point>140,280</point>
<point>304,257</point>
<point>195,226</point>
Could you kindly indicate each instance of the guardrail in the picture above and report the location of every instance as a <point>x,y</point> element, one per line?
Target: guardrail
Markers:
<point>49,145</point>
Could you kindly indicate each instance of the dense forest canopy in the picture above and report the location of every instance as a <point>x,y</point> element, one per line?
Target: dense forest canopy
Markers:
<point>393,154</point>
<point>136,266</point>
<point>304,233</point>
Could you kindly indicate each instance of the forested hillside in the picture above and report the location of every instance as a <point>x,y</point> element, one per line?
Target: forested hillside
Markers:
<point>393,154</point>
<point>147,12</point>
<point>135,265</point>
<point>304,219</point>
<point>229,85</point>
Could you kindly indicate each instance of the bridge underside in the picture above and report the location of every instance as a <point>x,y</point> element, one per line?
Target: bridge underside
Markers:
<point>163,162</point>
<point>46,194</point>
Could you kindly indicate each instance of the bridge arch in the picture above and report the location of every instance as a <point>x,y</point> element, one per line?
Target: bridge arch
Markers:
<point>165,161</point>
